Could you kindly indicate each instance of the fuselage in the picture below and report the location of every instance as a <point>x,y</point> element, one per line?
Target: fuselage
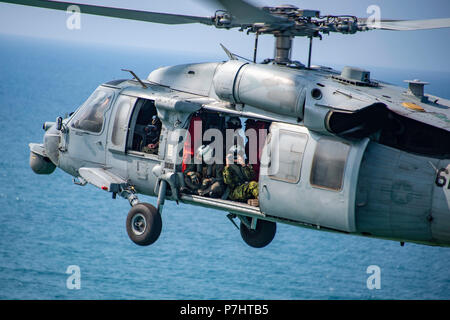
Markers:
<point>352,156</point>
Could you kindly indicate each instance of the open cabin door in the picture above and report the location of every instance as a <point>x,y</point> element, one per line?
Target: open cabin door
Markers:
<point>145,129</point>
<point>128,155</point>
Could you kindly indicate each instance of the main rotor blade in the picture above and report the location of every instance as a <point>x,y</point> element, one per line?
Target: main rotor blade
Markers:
<point>147,16</point>
<point>246,13</point>
<point>406,25</point>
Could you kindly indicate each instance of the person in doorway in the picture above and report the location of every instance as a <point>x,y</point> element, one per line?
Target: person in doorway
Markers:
<point>204,177</point>
<point>239,176</point>
<point>193,176</point>
<point>152,133</point>
<point>212,175</point>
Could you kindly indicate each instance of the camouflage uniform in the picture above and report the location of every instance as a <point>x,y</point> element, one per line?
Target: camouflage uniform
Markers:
<point>193,178</point>
<point>212,183</point>
<point>204,180</point>
<point>239,179</point>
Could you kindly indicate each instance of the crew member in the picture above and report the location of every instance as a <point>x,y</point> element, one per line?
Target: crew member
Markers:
<point>212,175</point>
<point>152,133</point>
<point>239,177</point>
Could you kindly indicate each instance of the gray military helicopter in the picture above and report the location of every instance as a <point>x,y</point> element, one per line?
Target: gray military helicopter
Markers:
<point>343,152</point>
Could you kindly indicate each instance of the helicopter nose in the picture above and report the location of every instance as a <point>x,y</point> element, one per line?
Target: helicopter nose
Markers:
<point>44,157</point>
<point>52,139</point>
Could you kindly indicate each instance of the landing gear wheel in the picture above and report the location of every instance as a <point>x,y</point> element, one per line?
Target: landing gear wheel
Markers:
<point>261,236</point>
<point>144,224</point>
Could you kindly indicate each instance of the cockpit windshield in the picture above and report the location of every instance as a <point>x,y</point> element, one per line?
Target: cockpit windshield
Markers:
<point>90,116</point>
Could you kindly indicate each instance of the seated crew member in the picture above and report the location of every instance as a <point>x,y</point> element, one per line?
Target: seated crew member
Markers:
<point>205,178</point>
<point>193,175</point>
<point>152,133</point>
<point>239,177</point>
<point>212,175</point>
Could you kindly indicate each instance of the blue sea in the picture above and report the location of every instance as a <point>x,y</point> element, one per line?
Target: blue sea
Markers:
<point>48,224</point>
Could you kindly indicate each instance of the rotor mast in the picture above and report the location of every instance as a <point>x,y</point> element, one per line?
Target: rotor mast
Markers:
<point>283,49</point>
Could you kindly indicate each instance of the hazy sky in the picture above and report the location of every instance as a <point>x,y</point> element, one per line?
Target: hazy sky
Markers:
<point>419,50</point>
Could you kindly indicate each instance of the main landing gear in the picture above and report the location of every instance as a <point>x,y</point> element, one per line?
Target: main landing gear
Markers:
<point>144,221</point>
<point>144,224</point>
<point>255,232</point>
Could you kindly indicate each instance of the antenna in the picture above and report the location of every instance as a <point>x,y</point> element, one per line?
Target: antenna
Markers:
<point>136,77</point>
<point>230,55</point>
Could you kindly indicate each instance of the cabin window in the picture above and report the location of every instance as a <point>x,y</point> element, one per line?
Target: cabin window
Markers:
<point>120,126</point>
<point>328,165</point>
<point>90,117</point>
<point>287,155</point>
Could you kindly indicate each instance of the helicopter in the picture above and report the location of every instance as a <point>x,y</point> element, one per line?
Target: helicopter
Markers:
<point>338,152</point>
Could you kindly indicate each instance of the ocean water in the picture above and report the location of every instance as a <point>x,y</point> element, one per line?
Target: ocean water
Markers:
<point>47,223</point>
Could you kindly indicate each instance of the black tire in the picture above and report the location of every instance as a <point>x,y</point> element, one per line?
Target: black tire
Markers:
<point>143,224</point>
<point>261,236</point>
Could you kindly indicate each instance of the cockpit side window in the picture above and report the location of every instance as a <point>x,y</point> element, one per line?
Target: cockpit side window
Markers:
<point>91,115</point>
